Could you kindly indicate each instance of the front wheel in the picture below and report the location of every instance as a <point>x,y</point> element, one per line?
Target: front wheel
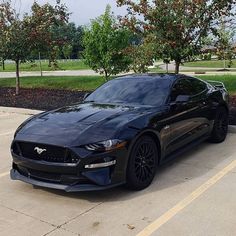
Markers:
<point>220,128</point>
<point>142,163</point>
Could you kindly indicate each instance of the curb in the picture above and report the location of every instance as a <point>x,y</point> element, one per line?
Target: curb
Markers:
<point>19,111</point>
<point>232,129</point>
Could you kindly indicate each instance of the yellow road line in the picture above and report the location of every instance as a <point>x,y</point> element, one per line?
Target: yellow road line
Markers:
<point>4,174</point>
<point>186,201</point>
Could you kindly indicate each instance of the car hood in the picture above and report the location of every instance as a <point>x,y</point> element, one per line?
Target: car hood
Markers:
<point>79,124</point>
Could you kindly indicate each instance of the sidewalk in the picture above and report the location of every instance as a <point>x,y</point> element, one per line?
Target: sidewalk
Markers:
<point>192,70</point>
<point>92,73</point>
<point>49,73</point>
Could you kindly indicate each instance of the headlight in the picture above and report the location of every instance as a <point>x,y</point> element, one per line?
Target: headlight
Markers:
<point>107,145</point>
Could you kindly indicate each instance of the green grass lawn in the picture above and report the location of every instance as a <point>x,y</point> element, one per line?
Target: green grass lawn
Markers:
<point>209,64</point>
<point>63,65</point>
<point>228,80</point>
<point>92,82</point>
<point>56,82</point>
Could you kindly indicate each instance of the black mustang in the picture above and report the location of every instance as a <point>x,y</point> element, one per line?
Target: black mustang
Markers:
<point>120,133</point>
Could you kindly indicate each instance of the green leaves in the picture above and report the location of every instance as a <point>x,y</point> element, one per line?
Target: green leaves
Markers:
<point>33,32</point>
<point>178,25</point>
<point>104,43</point>
<point>45,24</point>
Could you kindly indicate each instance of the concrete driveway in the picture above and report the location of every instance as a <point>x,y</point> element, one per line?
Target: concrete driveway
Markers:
<point>193,195</point>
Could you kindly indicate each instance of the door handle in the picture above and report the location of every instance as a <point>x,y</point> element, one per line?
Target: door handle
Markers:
<point>166,127</point>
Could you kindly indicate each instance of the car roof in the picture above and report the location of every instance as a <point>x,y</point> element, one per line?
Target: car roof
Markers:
<point>156,76</point>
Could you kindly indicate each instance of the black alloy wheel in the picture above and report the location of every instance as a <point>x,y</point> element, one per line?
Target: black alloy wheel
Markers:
<point>142,163</point>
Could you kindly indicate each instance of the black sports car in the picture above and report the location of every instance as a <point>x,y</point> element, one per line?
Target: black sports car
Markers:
<point>120,133</point>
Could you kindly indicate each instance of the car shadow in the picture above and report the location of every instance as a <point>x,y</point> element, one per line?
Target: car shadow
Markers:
<point>185,168</point>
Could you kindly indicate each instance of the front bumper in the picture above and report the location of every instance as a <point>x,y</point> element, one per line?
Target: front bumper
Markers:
<point>15,175</point>
<point>71,177</point>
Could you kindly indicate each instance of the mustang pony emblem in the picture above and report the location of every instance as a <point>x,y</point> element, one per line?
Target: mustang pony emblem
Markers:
<point>39,150</point>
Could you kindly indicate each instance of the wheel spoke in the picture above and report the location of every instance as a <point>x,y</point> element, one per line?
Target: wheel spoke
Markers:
<point>145,161</point>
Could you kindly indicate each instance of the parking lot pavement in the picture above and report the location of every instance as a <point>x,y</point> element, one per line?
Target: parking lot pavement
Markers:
<point>162,207</point>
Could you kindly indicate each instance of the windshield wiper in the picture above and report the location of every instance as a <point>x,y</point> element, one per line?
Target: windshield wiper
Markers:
<point>90,101</point>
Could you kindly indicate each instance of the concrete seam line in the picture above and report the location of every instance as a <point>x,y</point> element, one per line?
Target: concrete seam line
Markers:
<point>154,226</point>
<point>22,111</point>
<point>85,212</point>
<point>24,214</point>
<point>6,133</point>
<point>4,174</point>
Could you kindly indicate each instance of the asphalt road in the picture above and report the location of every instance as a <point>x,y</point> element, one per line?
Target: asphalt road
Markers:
<point>193,195</point>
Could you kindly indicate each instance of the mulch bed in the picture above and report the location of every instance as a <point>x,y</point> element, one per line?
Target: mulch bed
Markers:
<point>47,99</point>
<point>39,99</point>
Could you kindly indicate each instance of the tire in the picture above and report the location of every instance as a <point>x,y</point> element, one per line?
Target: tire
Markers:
<point>142,165</point>
<point>220,128</point>
<point>35,186</point>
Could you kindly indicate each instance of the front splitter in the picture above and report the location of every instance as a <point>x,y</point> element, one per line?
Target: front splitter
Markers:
<point>15,175</point>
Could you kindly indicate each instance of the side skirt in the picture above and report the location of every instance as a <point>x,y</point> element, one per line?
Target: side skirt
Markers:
<point>188,147</point>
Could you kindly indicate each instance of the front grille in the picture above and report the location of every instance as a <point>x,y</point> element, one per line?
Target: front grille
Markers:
<point>51,177</point>
<point>42,152</point>
<point>39,175</point>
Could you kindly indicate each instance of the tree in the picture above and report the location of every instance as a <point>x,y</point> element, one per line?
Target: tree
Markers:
<point>67,51</point>
<point>18,46</point>
<point>21,36</point>
<point>105,43</point>
<point>15,41</point>
<point>73,37</point>
<point>178,25</point>
<point>45,23</point>
<point>6,17</point>
<point>142,55</point>
<point>224,44</point>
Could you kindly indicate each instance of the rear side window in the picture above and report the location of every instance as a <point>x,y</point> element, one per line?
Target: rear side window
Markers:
<point>187,86</point>
<point>198,86</point>
<point>182,87</point>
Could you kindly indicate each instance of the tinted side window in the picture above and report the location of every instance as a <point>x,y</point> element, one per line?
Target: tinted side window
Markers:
<point>182,87</point>
<point>188,87</point>
<point>198,86</point>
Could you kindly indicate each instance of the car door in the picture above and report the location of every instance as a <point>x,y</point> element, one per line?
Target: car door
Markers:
<point>185,120</point>
<point>203,113</point>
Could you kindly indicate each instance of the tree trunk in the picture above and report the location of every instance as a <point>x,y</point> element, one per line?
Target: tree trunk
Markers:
<point>167,67</point>
<point>40,65</point>
<point>3,64</point>
<point>106,75</point>
<point>177,65</point>
<point>17,77</point>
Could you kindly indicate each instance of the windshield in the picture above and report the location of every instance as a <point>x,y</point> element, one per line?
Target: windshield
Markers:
<point>152,92</point>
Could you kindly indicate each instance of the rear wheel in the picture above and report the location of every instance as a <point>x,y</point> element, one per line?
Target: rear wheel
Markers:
<point>220,128</point>
<point>142,163</point>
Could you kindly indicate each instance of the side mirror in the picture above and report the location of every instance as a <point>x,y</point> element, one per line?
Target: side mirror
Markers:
<point>86,95</point>
<point>182,98</point>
